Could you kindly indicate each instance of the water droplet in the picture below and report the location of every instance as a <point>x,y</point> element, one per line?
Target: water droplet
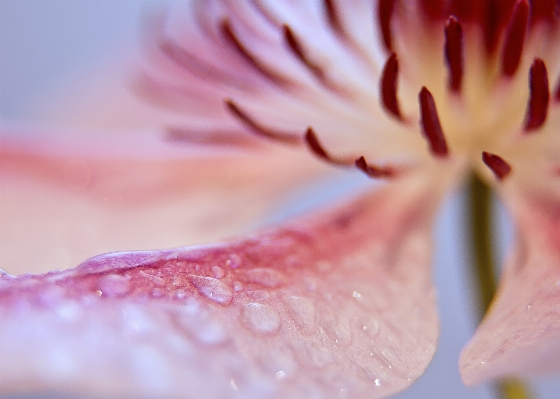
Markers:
<point>200,324</point>
<point>377,382</point>
<point>344,393</point>
<point>280,376</point>
<point>233,384</point>
<point>264,276</point>
<point>234,261</point>
<point>237,286</point>
<point>180,294</point>
<point>260,318</point>
<point>302,311</point>
<point>69,311</point>
<point>218,272</point>
<point>258,295</point>
<point>357,295</point>
<point>114,285</point>
<point>212,289</point>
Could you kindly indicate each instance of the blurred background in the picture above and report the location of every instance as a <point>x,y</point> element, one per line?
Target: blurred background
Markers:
<point>47,44</point>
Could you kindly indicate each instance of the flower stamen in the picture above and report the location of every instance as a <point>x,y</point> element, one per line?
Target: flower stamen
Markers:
<point>384,15</point>
<point>454,53</point>
<point>537,107</point>
<point>231,38</point>
<point>431,125</point>
<point>389,87</point>
<point>258,129</point>
<point>297,49</point>
<point>514,39</point>
<point>374,171</point>
<point>497,165</point>
<point>317,148</point>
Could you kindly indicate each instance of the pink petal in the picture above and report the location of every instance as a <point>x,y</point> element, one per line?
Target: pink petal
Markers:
<point>521,332</point>
<point>67,195</point>
<point>338,304</point>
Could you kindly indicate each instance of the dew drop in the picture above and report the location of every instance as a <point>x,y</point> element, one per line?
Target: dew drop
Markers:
<point>302,312</point>
<point>114,285</point>
<point>357,296</point>
<point>264,276</point>
<point>234,261</point>
<point>260,318</point>
<point>199,324</point>
<point>377,382</point>
<point>280,376</point>
<point>218,272</point>
<point>212,289</point>
<point>237,286</point>
<point>180,294</point>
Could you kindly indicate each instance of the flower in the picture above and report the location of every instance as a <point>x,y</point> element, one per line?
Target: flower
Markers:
<point>339,303</point>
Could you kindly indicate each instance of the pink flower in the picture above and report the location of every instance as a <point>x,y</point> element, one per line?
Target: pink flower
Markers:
<point>337,303</point>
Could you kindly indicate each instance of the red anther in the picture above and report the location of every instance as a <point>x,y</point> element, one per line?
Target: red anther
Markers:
<point>316,148</point>
<point>373,171</point>
<point>298,51</point>
<point>537,107</point>
<point>515,37</point>
<point>454,53</point>
<point>389,86</point>
<point>332,17</point>
<point>497,165</point>
<point>431,125</point>
<point>254,127</point>
<point>384,15</point>
<point>263,69</point>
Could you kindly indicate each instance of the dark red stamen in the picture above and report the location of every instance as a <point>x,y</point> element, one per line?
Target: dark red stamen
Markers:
<point>431,125</point>
<point>537,107</point>
<point>253,126</point>
<point>297,50</point>
<point>263,69</point>
<point>454,53</point>
<point>384,16</point>
<point>332,17</point>
<point>497,165</point>
<point>389,86</point>
<point>515,37</point>
<point>315,146</point>
<point>373,171</point>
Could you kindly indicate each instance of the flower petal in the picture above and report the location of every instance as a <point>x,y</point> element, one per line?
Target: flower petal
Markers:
<point>521,332</point>
<point>339,303</point>
<point>67,196</point>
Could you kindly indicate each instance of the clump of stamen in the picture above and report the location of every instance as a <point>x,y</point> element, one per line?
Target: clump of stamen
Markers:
<point>431,125</point>
<point>497,165</point>
<point>537,107</point>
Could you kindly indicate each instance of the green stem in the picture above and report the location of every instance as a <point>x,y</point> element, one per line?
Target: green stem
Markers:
<point>480,209</point>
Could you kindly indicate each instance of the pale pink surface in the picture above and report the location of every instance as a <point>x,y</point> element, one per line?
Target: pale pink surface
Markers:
<point>69,195</point>
<point>325,306</point>
<point>521,333</point>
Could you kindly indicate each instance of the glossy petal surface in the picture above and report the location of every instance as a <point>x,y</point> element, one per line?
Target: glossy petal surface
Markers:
<point>338,304</point>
